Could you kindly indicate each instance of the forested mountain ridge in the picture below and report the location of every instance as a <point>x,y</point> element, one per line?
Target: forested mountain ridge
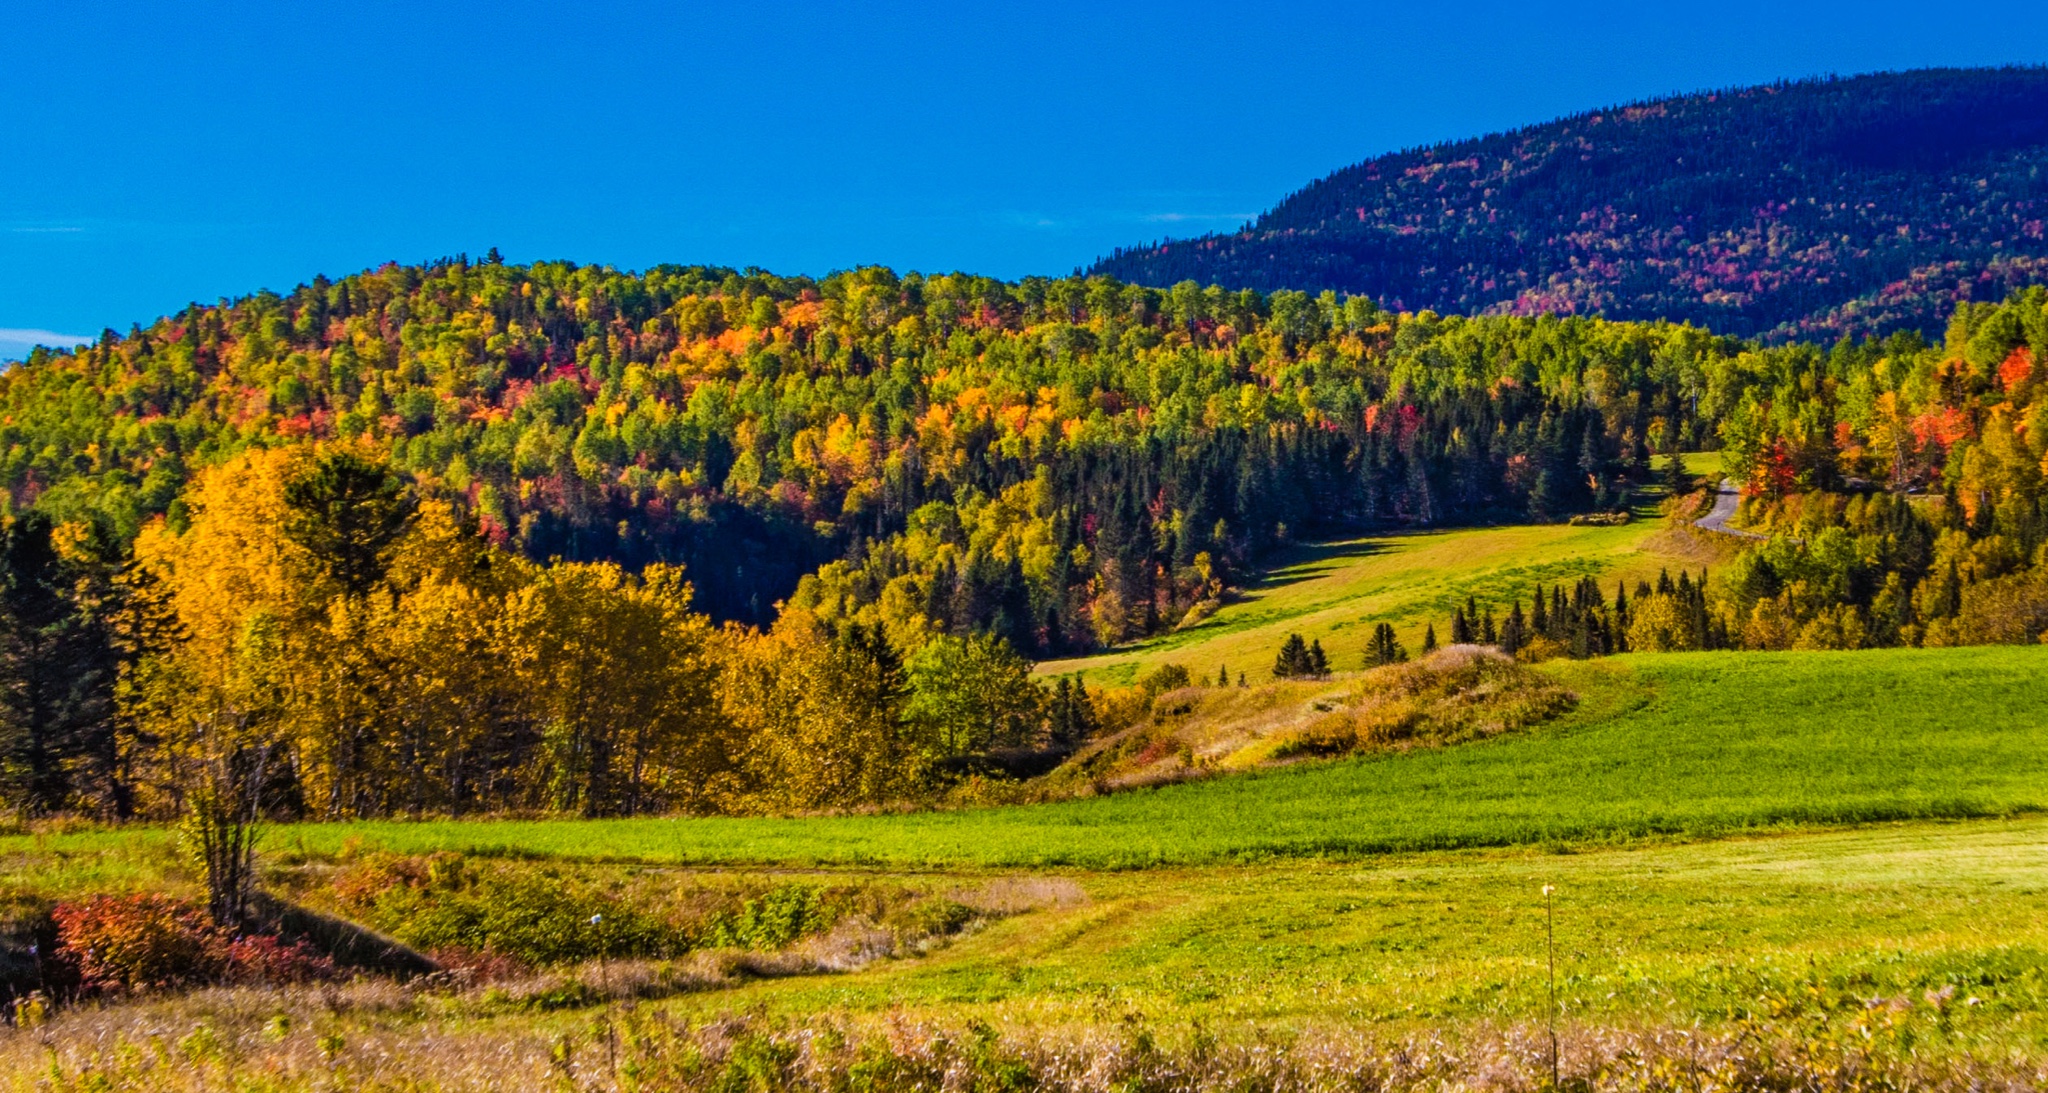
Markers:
<point>1815,209</point>
<point>1064,464</point>
<point>1064,461</point>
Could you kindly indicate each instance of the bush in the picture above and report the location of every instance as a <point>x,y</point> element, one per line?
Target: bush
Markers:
<point>363,884</point>
<point>770,922</point>
<point>263,958</point>
<point>1166,677</point>
<point>148,942</point>
<point>116,944</point>
<point>933,917</point>
<point>541,917</point>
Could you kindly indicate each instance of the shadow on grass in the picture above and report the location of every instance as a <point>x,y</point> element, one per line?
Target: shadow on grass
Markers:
<point>1307,561</point>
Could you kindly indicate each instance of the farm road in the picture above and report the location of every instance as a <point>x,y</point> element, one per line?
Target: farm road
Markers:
<point>1725,500</point>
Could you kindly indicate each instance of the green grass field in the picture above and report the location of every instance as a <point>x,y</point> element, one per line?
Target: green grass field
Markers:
<point>1337,591</point>
<point>1674,932</point>
<point>1661,745</point>
<point>1800,935</point>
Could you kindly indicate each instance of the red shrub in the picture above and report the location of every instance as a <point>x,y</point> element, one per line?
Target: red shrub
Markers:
<point>147,942</point>
<point>262,958</point>
<point>139,942</point>
<point>361,885</point>
<point>478,966</point>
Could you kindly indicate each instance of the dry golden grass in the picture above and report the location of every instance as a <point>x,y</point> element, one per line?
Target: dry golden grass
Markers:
<point>1458,693</point>
<point>381,1039</point>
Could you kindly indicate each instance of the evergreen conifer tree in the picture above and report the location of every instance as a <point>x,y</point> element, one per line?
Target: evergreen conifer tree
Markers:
<point>1621,617</point>
<point>1071,718</point>
<point>1293,658</point>
<point>57,679</point>
<point>1677,483</point>
<point>1384,648</point>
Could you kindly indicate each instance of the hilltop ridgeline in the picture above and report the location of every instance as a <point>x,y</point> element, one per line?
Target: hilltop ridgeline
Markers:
<point>1063,462</point>
<point>1814,209</point>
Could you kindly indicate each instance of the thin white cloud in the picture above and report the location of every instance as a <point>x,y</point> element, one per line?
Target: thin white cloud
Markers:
<point>1175,218</point>
<point>1034,220</point>
<point>15,341</point>
<point>45,231</point>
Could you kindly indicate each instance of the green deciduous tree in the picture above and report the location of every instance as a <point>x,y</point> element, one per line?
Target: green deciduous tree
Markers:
<point>969,695</point>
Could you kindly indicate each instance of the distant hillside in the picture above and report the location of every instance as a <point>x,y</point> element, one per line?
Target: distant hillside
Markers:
<point>1819,208</point>
<point>1067,463</point>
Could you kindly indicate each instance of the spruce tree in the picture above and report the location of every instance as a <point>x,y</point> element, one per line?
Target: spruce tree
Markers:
<point>1318,664</point>
<point>1513,632</point>
<point>1293,658</point>
<point>1429,639</point>
<point>1071,720</point>
<point>348,511</point>
<point>1620,642</point>
<point>1676,482</point>
<point>57,679</point>
<point>1384,648</point>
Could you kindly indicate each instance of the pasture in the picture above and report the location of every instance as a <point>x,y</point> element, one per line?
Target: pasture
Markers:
<point>1921,941</point>
<point>1808,861</point>
<point>1337,591</point>
<point>1660,745</point>
<point>1679,932</point>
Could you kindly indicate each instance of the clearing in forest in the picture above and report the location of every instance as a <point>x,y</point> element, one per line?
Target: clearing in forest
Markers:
<point>1336,591</point>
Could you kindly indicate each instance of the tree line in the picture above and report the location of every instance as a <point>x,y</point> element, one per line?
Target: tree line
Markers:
<point>321,641</point>
<point>1067,463</point>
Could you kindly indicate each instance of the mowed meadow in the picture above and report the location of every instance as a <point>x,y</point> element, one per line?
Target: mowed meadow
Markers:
<point>1697,744</point>
<point>1414,940</point>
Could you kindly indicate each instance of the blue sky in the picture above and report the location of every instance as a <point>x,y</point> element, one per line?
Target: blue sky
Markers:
<point>157,154</point>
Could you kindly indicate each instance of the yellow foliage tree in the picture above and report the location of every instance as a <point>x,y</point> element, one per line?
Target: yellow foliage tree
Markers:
<point>614,671</point>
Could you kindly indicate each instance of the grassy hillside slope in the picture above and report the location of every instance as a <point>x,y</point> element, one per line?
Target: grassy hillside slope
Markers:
<point>1686,744</point>
<point>1336,591</point>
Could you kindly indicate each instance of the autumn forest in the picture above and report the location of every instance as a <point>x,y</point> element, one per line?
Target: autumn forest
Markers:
<point>470,536</point>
